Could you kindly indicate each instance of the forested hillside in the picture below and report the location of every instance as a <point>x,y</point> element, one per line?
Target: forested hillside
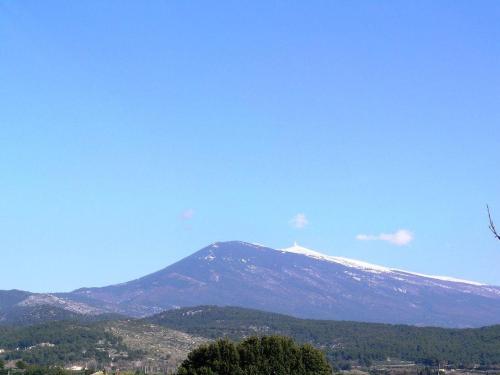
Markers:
<point>345,341</point>
<point>60,343</point>
<point>166,339</point>
<point>123,343</point>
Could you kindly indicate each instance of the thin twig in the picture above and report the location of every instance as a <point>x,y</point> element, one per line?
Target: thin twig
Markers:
<point>492,224</point>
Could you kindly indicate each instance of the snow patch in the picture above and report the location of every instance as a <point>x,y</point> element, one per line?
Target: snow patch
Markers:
<point>355,276</point>
<point>296,249</point>
<point>251,268</point>
<point>368,267</point>
<point>442,278</point>
<point>210,257</point>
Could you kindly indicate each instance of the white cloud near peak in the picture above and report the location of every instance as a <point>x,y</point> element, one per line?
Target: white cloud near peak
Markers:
<point>402,237</point>
<point>299,221</point>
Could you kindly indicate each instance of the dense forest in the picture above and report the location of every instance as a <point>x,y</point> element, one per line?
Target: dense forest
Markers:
<point>345,342</point>
<point>58,343</point>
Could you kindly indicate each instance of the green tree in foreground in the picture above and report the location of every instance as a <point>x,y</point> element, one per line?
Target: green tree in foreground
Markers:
<point>274,355</point>
<point>21,365</point>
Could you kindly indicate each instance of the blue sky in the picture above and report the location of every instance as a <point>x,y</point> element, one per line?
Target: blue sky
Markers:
<point>133,133</point>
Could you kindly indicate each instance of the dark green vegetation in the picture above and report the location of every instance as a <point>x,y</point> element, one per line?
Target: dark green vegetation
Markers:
<point>345,342</point>
<point>36,370</point>
<point>60,343</point>
<point>22,368</point>
<point>264,355</point>
<point>158,340</point>
<point>123,344</point>
<point>32,315</point>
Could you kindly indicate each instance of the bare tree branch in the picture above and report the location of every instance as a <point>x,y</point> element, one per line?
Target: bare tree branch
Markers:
<point>492,224</point>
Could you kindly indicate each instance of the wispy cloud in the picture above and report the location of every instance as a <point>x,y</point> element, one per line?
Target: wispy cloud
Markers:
<point>187,214</point>
<point>299,221</point>
<point>401,237</point>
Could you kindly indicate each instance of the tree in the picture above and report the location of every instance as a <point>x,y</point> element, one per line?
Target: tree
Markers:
<point>492,224</point>
<point>274,355</point>
<point>21,365</point>
<point>1,364</point>
<point>219,358</point>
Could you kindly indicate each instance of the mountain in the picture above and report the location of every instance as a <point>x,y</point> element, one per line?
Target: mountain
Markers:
<point>302,283</point>
<point>23,308</point>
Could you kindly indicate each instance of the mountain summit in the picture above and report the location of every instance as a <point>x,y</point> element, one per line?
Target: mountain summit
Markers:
<point>295,281</point>
<point>303,283</point>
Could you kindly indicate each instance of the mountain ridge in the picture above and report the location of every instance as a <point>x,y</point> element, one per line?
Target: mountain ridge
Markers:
<point>303,285</point>
<point>294,281</point>
<point>369,266</point>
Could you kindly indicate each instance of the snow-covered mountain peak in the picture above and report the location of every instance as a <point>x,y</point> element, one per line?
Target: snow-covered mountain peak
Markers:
<point>297,249</point>
<point>368,267</point>
<point>301,282</point>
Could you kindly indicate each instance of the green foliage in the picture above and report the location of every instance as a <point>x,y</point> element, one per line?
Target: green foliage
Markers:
<point>345,342</point>
<point>39,314</point>
<point>1,364</point>
<point>265,355</point>
<point>58,343</point>
<point>21,365</point>
<point>41,370</point>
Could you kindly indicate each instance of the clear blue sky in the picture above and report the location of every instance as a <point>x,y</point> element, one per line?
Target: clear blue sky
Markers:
<point>133,133</point>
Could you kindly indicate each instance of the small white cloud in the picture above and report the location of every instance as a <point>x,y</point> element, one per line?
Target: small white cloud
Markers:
<point>299,221</point>
<point>187,214</point>
<point>401,237</point>
<point>366,237</point>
